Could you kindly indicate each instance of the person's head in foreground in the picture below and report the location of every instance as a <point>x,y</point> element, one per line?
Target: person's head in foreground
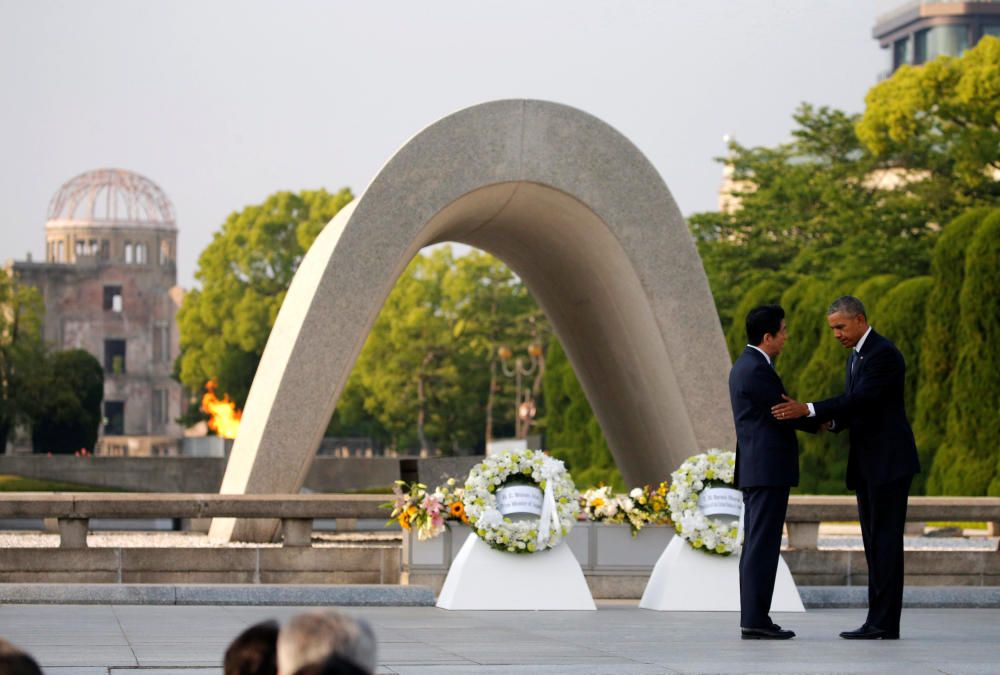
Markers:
<point>15,662</point>
<point>309,640</point>
<point>254,651</point>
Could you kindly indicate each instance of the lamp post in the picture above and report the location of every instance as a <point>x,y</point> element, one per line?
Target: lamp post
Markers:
<point>519,368</point>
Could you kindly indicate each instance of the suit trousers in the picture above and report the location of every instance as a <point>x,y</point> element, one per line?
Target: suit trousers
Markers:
<point>763,518</point>
<point>882,511</point>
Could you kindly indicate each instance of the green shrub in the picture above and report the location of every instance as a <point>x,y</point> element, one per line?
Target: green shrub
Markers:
<point>967,462</point>
<point>938,347</point>
<point>69,417</point>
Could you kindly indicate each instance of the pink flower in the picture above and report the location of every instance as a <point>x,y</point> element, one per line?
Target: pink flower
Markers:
<point>432,505</point>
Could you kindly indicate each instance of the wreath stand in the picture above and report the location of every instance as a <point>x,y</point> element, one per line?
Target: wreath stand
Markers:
<point>694,581</point>
<point>484,578</point>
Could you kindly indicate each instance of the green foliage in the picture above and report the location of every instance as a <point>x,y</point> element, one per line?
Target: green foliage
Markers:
<point>900,315</point>
<point>244,273</point>
<point>429,371</point>
<point>938,347</point>
<point>22,353</point>
<point>69,413</point>
<point>847,200</point>
<point>967,462</point>
<point>804,303</point>
<point>573,434</point>
<point>806,207</point>
<point>941,119</point>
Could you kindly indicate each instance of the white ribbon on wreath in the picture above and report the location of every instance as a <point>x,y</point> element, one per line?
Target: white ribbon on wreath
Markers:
<point>549,520</point>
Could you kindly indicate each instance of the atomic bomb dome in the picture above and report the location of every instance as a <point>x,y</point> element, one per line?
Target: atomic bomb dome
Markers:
<point>111,197</point>
<point>109,282</point>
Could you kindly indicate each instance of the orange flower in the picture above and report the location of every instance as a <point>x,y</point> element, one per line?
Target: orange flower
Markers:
<point>404,520</point>
<point>457,510</point>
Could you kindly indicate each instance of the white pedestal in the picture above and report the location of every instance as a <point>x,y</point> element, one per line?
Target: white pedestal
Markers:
<point>688,580</point>
<point>482,578</point>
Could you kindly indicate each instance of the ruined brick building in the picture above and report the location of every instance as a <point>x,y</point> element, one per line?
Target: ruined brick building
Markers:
<point>109,281</point>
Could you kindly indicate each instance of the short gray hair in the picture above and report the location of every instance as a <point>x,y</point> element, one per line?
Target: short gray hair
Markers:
<point>849,305</point>
<point>315,636</point>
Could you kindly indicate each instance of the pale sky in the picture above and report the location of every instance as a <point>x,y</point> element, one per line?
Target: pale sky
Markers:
<point>223,103</point>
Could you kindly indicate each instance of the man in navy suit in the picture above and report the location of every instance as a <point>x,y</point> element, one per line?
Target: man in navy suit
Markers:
<point>767,465</point>
<point>882,459</point>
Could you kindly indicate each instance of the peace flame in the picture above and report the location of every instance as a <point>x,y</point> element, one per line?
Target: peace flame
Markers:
<point>224,417</point>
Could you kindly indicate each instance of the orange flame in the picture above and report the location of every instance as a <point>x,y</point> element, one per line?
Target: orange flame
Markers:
<point>225,418</point>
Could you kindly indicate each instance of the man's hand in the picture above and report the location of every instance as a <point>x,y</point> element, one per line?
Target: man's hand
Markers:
<point>826,426</point>
<point>789,410</point>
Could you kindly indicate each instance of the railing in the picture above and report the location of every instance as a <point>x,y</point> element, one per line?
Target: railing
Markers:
<point>806,512</point>
<point>296,512</point>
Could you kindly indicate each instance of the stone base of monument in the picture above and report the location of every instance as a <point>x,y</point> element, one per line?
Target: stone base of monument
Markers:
<point>688,580</point>
<point>483,578</point>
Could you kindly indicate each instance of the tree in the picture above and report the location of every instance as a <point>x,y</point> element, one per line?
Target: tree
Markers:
<point>968,462</point>
<point>807,207</point>
<point>938,351</point>
<point>429,368</point>
<point>22,353</point>
<point>494,310</point>
<point>69,414</point>
<point>941,122</point>
<point>244,273</point>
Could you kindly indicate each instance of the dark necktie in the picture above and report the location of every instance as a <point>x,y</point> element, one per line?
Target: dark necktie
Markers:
<point>853,367</point>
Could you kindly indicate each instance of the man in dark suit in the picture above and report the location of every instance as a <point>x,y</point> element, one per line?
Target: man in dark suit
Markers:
<point>767,465</point>
<point>882,459</point>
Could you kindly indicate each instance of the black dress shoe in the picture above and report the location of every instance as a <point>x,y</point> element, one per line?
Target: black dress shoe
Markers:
<point>774,632</point>
<point>867,632</point>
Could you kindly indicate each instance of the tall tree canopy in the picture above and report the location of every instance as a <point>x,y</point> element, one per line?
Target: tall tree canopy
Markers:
<point>69,411</point>
<point>430,370</point>
<point>244,273</point>
<point>941,121</point>
<point>22,354</point>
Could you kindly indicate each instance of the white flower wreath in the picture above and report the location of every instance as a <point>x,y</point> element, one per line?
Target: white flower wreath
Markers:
<point>521,536</point>
<point>713,535</point>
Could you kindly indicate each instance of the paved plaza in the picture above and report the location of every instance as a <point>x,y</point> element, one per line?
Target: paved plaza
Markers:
<point>618,638</point>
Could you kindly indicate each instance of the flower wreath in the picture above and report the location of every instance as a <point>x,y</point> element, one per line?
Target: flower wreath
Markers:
<point>712,535</point>
<point>560,503</point>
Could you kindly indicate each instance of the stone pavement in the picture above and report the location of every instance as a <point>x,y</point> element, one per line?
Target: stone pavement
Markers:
<point>618,638</point>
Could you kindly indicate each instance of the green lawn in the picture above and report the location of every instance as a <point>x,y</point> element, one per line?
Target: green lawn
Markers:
<point>19,484</point>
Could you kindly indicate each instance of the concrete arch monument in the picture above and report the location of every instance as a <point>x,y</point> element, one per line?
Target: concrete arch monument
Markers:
<point>576,210</point>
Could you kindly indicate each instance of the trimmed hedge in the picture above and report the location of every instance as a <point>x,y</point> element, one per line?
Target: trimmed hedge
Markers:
<point>940,341</point>
<point>967,461</point>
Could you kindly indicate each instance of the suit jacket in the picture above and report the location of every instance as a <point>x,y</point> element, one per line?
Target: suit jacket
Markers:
<point>767,452</point>
<point>872,409</point>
